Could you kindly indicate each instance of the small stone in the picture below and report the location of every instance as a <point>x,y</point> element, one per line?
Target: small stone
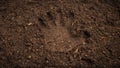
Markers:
<point>68,41</point>
<point>41,46</point>
<point>47,61</point>
<point>18,51</point>
<point>76,51</point>
<point>91,27</point>
<point>28,44</point>
<point>29,57</point>
<point>84,43</point>
<point>29,24</point>
<point>19,60</point>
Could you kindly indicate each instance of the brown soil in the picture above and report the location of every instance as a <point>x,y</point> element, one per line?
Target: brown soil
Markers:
<point>59,33</point>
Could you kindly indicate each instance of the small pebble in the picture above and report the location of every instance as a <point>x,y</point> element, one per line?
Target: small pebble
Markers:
<point>29,56</point>
<point>76,51</point>
<point>29,24</point>
<point>69,41</point>
<point>84,43</point>
<point>18,51</point>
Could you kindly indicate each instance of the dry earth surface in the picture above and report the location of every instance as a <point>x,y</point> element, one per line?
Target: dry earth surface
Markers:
<point>59,33</point>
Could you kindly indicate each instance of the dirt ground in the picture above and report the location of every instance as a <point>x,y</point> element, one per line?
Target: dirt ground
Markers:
<point>59,33</point>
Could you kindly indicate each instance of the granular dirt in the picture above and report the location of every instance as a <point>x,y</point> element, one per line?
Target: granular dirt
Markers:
<point>59,33</point>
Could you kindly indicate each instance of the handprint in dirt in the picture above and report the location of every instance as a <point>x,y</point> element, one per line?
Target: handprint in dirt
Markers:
<point>57,35</point>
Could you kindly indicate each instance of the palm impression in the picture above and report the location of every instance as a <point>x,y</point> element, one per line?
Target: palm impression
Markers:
<point>57,36</point>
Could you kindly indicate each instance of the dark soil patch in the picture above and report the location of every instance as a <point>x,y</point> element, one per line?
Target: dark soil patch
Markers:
<point>59,33</point>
